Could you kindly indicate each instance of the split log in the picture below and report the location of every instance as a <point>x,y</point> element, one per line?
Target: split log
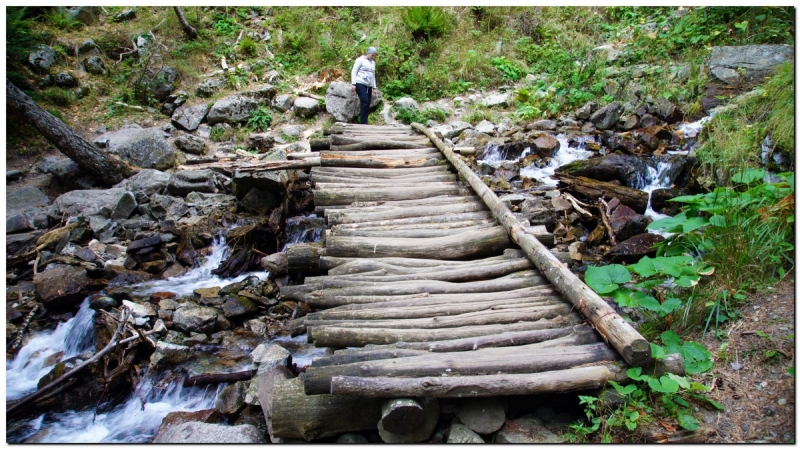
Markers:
<point>335,197</point>
<point>624,338</point>
<point>338,139</point>
<point>499,340</point>
<point>367,145</point>
<point>265,392</point>
<point>446,218</point>
<point>401,416</point>
<point>343,160</point>
<point>297,415</point>
<point>510,360</point>
<point>340,337</point>
<point>303,257</point>
<point>443,177</point>
<point>560,381</point>
<point>431,300</point>
<point>593,189</point>
<point>319,144</point>
<point>406,233</point>
<point>379,172</point>
<point>460,246</point>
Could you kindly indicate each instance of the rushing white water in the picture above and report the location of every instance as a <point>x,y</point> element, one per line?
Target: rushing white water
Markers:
<point>135,421</point>
<point>657,178</point>
<point>41,352</point>
<point>303,229</point>
<point>563,156</point>
<point>200,277</point>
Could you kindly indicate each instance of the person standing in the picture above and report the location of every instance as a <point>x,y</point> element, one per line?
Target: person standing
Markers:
<point>363,79</point>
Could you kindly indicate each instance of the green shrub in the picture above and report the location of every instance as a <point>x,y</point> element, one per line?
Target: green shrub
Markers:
<point>425,22</point>
<point>61,19</point>
<point>260,119</point>
<point>409,115</point>
<point>248,46</point>
<point>510,70</point>
<point>20,38</point>
<point>55,96</point>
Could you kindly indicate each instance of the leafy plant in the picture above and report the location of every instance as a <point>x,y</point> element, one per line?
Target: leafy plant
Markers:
<point>510,70</point>
<point>225,26</point>
<point>425,22</point>
<point>217,134</point>
<point>61,19</point>
<point>237,77</point>
<point>20,38</point>
<point>248,46</point>
<point>260,119</point>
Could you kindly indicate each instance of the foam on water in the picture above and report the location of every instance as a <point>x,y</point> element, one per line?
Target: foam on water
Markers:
<point>563,156</point>
<point>302,352</point>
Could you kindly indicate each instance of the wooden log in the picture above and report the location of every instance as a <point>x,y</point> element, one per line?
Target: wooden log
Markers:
<point>342,160</point>
<point>438,226</point>
<point>303,257</point>
<point>426,151</point>
<point>447,218</point>
<point>401,415</point>
<point>380,172</point>
<point>266,385</point>
<point>510,253</point>
<point>340,337</point>
<point>232,166</point>
<point>303,155</point>
<point>334,197</point>
<point>511,360</point>
<point>339,140</point>
<point>344,216</point>
<point>319,144</point>
<point>459,246</point>
<point>431,300</point>
<point>369,145</point>
<point>444,177</point>
<point>624,338</point>
<point>593,189</point>
<point>365,355</point>
<point>406,233</point>
<point>297,415</point>
<point>493,341</point>
<point>560,381</point>
<point>342,184</point>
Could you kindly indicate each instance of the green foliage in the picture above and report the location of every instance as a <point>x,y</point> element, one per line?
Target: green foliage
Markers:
<point>20,38</point>
<point>55,96</point>
<point>218,134</point>
<point>510,70</point>
<point>225,26</point>
<point>248,47</point>
<point>476,116</point>
<point>236,77</point>
<point>260,119</point>
<point>425,22</point>
<point>61,19</point>
<point>411,114</point>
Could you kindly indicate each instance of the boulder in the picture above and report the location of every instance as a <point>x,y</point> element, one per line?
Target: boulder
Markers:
<point>626,222</point>
<point>632,122</point>
<point>445,131</point>
<point>238,306</point>
<point>19,223</point>
<point>86,15</point>
<point>537,211</point>
<point>342,103</point>
<point>668,111</point>
<point>61,285</point>
<point>485,126</point>
<point>263,92</point>
<point>87,202</point>
<point>458,127</point>
<point>209,87</point>
<point>283,102</point>
<point>606,117</point>
<point>191,144</point>
<point>261,142</point>
<point>139,310</point>
<point>293,131</point>
<point>482,415</point>
<point>25,199</point>
<point>269,356</point>
<point>19,243</point>
<point>189,117</point>
<point>125,15</point>
<point>231,399</point>
<point>659,201</point>
<point>42,58</point>
<point>125,206</point>
<point>461,434</point>
<point>65,80</point>
<point>147,181</point>
<point>68,173</point>
<point>585,111</point>
<point>143,147</point>
<point>184,182</point>
<point>543,125</point>
<point>196,432</point>
<point>94,65</point>
<point>526,430</point>
<point>634,248</point>
<point>406,102</point>
<point>203,416</point>
<point>501,100</point>
<point>649,141</point>
<point>276,264</point>
<point>206,203</point>
<point>270,181</point>
<point>232,109</point>
<point>259,201</point>
<point>623,168</point>
<point>755,61</point>
<point>546,146</point>
<point>195,319</point>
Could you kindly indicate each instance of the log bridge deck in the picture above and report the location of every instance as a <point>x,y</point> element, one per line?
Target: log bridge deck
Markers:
<point>434,288</point>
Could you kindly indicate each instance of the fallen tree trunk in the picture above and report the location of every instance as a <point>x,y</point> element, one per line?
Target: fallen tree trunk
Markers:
<point>399,184</point>
<point>560,381</point>
<point>266,392</point>
<point>190,32</point>
<point>426,151</point>
<point>510,360</point>
<point>592,189</point>
<point>633,347</point>
<point>230,166</point>
<point>494,341</point>
<point>365,355</point>
<point>406,233</point>
<point>303,257</point>
<point>336,197</point>
<point>344,216</point>
<point>319,144</point>
<point>108,168</point>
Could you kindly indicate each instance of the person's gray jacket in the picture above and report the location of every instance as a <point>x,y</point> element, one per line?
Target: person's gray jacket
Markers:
<point>363,72</point>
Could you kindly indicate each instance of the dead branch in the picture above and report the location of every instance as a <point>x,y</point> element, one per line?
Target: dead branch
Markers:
<point>604,215</point>
<point>21,332</point>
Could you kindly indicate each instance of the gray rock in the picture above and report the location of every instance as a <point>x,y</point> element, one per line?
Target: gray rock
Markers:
<point>626,223</point>
<point>623,168</point>
<point>86,15</point>
<point>141,243</point>
<point>461,434</point>
<point>501,100</point>
<point>270,355</point>
<point>15,243</point>
<point>99,302</point>
<point>191,144</point>
<point>188,118</point>
<point>94,65</point>
<point>482,415</point>
<point>608,52</point>
<point>24,199</point>
<point>231,399</point>
<point>485,127</point>
<point>196,432</point>
<point>263,92</point>
<point>259,201</point>
<point>42,59</point>
<point>87,202</point>
<point>19,223</point>
<point>546,146</point>
<point>232,109</point>
<point>195,319</point>
<point>158,85</point>
<point>168,353</point>
<point>406,102</point>
<point>305,107</point>
<point>668,111</point>
<point>68,173</point>
<point>209,87</point>
<point>606,117</point>
<point>634,248</point>
<point>270,181</point>
<point>261,141</point>
<point>61,285</point>
<point>586,110</point>
<point>139,310</point>
<point>544,125</point>
<point>342,103</point>
<point>727,76</point>
<point>65,79</point>
<point>147,181</point>
<point>755,60</point>
<point>446,131</point>
<point>167,207</point>
<point>537,211</point>
<point>351,438</point>
<point>238,306</point>
<point>273,76</point>
<point>145,148</point>
<point>124,16</point>
<point>294,131</point>
<point>124,207</point>
<point>88,47</point>
<point>458,127</point>
<point>526,430</point>
<point>184,182</point>
<point>206,203</point>
<point>283,102</point>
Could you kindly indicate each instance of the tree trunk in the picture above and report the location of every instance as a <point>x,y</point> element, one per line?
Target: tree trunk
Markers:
<point>402,415</point>
<point>184,24</point>
<point>330,159</point>
<point>593,189</point>
<point>108,168</point>
<point>304,257</point>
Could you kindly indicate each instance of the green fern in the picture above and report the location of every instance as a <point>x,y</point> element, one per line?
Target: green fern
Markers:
<point>426,22</point>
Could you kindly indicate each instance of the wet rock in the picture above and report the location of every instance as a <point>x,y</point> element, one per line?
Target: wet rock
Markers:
<point>238,306</point>
<point>305,107</point>
<point>191,144</point>
<point>283,103</point>
<point>65,80</point>
<point>61,285</point>
<point>623,168</point>
<point>99,302</point>
<point>125,15</point>
<point>147,181</point>
<point>231,399</point>
<point>232,109</point>
<point>261,142</point>
<point>270,181</point>
<point>526,430</point>
<point>351,438</point>
<point>209,292</point>
<point>204,416</point>
<point>194,432</point>
<point>649,141</point>
<point>626,222</point>
<point>42,58</point>
<point>632,122</point>
<point>143,147</point>
<point>195,319</point>
<point>170,354</point>
<point>209,87</point>
<point>139,310</point>
<point>185,182</point>
<point>634,248</point>
<point>207,203</point>
<point>269,356</point>
<point>94,65</point>
<point>546,146</point>
<point>189,117</point>
<point>586,110</point>
<point>259,201</point>
<point>276,264</point>
<point>659,201</point>
<point>461,434</point>
<point>668,111</point>
<point>68,173</point>
<point>606,117</point>
<point>649,120</point>
<point>501,100</point>
<point>482,415</point>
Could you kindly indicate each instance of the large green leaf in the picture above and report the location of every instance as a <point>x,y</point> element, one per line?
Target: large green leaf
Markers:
<point>748,176</point>
<point>670,304</point>
<point>663,385</point>
<point>688,422</point>
<point>694,223</point>
<point>669,266</point>
<point>650,303</point>
<point>669,224</point>
<point>672,342</point>
<point>696,358</point>
<point>606,279</point>
<point>626,297</point>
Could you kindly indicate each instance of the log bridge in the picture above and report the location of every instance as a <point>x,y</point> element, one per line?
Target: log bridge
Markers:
<point>428,286</point>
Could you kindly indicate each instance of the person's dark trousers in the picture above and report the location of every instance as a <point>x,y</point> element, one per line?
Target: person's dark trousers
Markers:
<point>365,97</point>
